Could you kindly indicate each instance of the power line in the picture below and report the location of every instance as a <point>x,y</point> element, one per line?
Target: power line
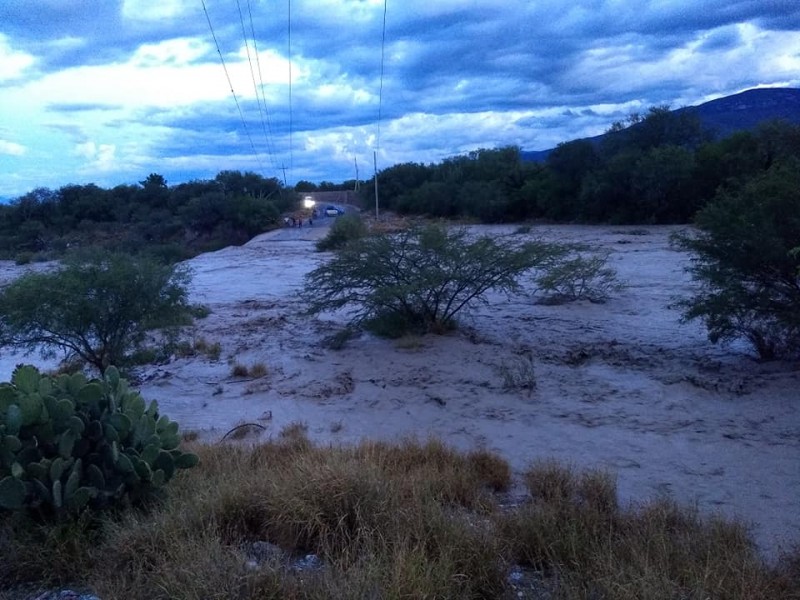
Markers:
<point>380,106</point>
<point>380,89</point>
<point>260,79</point>
<point>230,84</point>
<point>253,77</point>
<point>291,123</point>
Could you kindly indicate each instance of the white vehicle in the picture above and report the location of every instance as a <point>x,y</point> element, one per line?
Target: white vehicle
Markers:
<point>333,211</point>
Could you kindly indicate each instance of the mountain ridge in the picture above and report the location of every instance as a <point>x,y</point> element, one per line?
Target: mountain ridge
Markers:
<point>724,116</point>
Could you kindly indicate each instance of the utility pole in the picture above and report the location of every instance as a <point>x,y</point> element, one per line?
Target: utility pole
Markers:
<point>375,161</point>
<point>357,182</point>
<point>284,174</point>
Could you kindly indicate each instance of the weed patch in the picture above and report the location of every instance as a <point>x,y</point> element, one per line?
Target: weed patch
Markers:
<point>256,370</point>
<point>403,520</point>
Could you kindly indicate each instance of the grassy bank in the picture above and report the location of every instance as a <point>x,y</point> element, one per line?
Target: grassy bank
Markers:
<point>408,520</point>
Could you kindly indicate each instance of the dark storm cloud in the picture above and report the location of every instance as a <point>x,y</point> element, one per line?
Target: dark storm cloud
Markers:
<point>456,75</point>
<point>71,33</point>
<point>222,116</point>
<point>721,39</point>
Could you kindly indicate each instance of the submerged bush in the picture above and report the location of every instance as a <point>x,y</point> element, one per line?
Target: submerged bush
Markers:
<point>579,277</point>
<point>420,279</point>
<point>345,228</point>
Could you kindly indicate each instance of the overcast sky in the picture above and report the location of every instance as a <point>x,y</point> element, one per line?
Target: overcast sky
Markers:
<point>108,91</point>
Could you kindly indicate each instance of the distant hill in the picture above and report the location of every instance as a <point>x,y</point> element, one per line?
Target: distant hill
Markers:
<point>727,115</point>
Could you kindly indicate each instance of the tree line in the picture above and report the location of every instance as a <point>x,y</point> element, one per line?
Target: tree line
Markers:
<point>173,222</point>
<point>656,168</point>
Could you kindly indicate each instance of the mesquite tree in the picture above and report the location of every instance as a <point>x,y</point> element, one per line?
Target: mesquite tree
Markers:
<point>97,308</point>
<point>746,266</point>
<point>420,279</point>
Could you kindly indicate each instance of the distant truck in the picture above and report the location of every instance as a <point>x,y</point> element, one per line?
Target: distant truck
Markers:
<point>333,211</point>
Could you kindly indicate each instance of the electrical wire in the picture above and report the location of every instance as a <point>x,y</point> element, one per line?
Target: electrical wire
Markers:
<point>253,77</point>
<point>270,136</point>
<point>380,89</point>
<point>230,84</point>
<point>291,123</point>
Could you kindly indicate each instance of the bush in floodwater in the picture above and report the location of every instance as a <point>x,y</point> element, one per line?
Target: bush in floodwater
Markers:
<point>579,277</point>
<point>419,280</point>
<point>344,229</point>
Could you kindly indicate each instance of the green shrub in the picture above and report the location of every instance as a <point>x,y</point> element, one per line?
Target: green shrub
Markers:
<point>67,443</point>
<point>345,229</point>
<point>745,266</point>
<point>579,277</point>
<point>420,279</point>
<point>99,307</point>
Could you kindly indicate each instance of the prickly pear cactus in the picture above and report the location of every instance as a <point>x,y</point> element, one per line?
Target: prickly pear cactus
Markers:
<point>67,443</point>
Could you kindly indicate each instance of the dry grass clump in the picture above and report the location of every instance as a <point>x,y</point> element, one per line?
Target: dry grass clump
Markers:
<point>199,346</point>
<point>405,520</point>
<point>573,532</point>
<point>211,349</point>
<point>256,370</point>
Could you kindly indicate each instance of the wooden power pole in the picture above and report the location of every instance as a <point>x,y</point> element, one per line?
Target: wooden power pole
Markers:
<point>375,162</point>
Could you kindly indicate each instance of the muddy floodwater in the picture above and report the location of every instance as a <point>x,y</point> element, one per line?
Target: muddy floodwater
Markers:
<point>622,386</point>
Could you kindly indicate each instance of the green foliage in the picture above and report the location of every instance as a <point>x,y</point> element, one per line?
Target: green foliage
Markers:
<point>657,167</point>
<point>568,164</point>
<point>432,198</point>
<point>396,181</point>
<point>660,126</point>
<point>345,229</point>
<point>661,182</point>
<point>579,277</point>
<point>483,184</point>
<point>172,222</point>
<point>420,279</point>
<point>745,266</point>
<point>305,186</point>
<point>98,308</point>
<point>67,443</point>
